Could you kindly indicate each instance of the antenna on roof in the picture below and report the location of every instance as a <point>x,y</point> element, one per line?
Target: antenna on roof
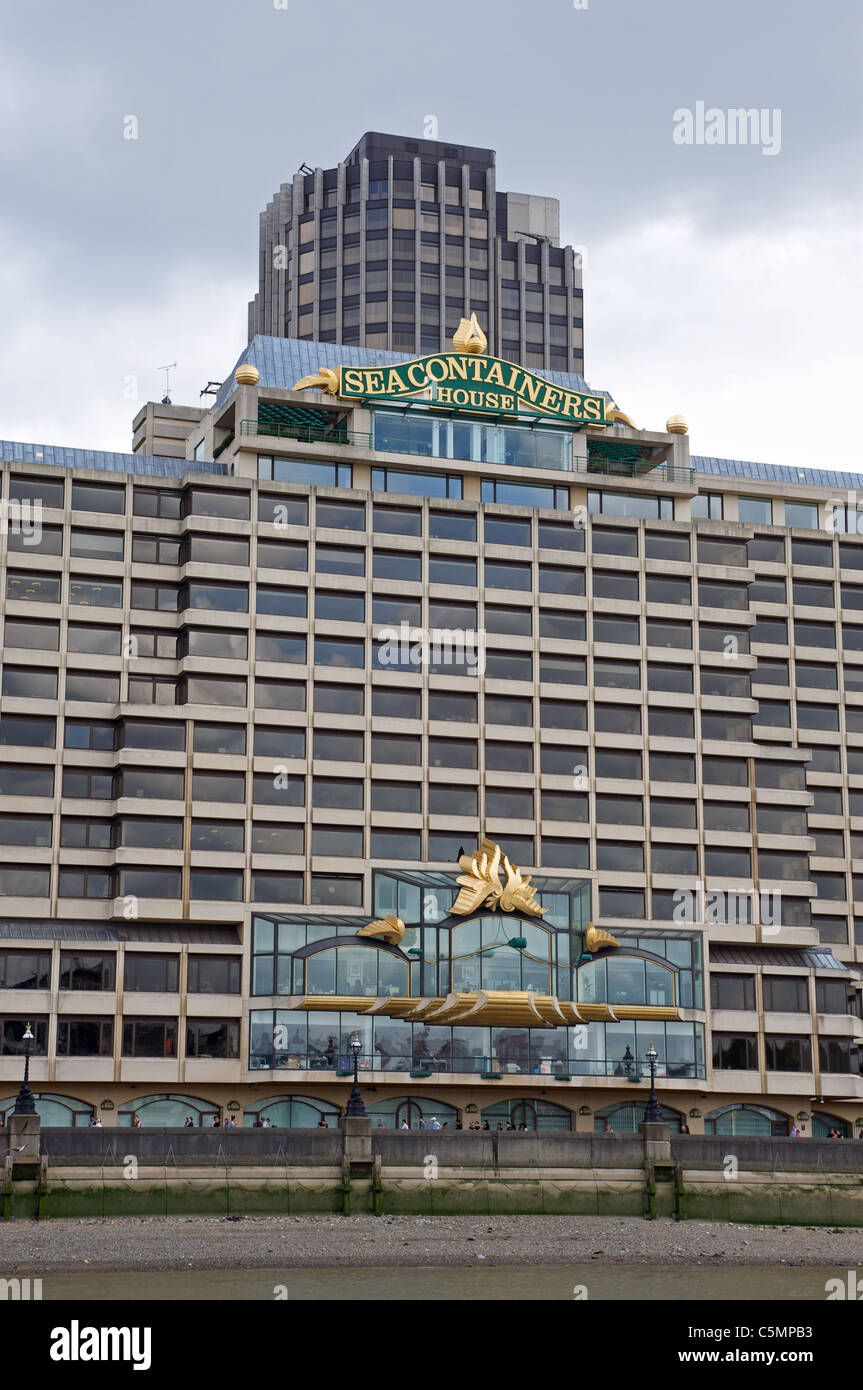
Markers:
<point>304,169</point>
<point>166,399</point>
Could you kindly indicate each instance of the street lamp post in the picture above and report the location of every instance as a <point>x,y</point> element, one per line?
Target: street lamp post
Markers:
<point>25,1104</point>
<point>356,1109</point>
<point>653,1111</point>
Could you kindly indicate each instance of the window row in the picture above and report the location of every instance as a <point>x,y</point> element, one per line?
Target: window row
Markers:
<point>93,970</point>
<point>140,1037</point>
<point>787,994</point>
<point>739,1052</point>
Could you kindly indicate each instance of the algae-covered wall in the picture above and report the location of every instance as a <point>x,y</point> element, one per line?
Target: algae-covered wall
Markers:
<point>168,1172</point>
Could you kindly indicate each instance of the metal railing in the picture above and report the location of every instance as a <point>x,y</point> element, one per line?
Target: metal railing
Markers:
<point>522,1065</point>
<point>633,468</point>
<point>304,434</point>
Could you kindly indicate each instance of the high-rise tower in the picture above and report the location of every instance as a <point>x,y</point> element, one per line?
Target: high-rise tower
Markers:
<point>403,239</point>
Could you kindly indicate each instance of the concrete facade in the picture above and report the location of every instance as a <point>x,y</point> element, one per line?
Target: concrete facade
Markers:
<point>175,646</point>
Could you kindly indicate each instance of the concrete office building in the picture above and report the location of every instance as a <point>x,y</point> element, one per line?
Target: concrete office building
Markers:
<point>394,246</point>
<point>220,762</point>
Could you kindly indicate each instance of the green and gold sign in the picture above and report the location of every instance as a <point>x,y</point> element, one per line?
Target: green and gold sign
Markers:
<point>465,380</point>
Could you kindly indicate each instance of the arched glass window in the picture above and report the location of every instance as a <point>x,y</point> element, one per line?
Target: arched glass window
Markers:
<point>483,958</point>
<point>531,1115</point>
<point>166,1111</point>
<point>55,1112</point>
<point>746,1119</point>
<point>357,971</point>
<point>822,1125</point>
<point>626,1117</point>
<point>293,1112</point>
<point>621,979</point>
<point>418,1112</point>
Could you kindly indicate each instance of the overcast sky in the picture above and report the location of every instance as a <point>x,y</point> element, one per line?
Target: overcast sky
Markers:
<point>720,282</point>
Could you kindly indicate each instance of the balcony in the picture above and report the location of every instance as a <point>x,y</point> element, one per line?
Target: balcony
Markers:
<point>305,433</point>
<point>564,1069</point>
<point>621,466</point>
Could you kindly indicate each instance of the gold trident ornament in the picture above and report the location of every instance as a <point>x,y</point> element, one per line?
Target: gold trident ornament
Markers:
<point>481,886</point>
<point>391,930</point>
<point>469,337</point>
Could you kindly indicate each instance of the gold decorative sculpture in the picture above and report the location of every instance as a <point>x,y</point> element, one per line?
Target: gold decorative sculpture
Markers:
<point>614,416</point>
<point>481,886</point>
<point>501,1008</point>
<point>469,337</point>
<point>326,380</point>
<point>391,930</point>
<point>597,937</point>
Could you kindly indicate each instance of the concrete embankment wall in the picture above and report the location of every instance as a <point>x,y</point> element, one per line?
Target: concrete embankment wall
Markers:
<point>246,1172</point>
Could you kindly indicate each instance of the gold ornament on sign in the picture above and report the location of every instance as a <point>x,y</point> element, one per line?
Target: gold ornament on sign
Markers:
<point>391,930</point>
<point>616,417</point>
<point>481,886</point>
<point>469,337</point>
<point>596,938</point>
<point>326,380</point>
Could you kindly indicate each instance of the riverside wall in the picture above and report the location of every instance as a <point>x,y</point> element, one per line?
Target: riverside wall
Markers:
<point>164,1172</point>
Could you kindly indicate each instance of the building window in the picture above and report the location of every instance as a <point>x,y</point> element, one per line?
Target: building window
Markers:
<point>214,974</point>
<point>287,470</point>
<point>802,514</point>
<point>732,992</point>
<point>149,1037</point>
<point>16,779</point>
<point>755,510</point>
<point>25,969</point>
<point>96,593</point>
<point>84,883</point>
<point>94,641</point>
<point>735,1052</point>
<point>12,1036</point>
<point>98,497</point>
<point>87,971</point>
<point>788,1053</point>
<point>212,1038</point>
<point>707,506</point>
<point>85,1037</point>
<point>77,832</point>
<point>152,973</point>
<point>416,484</point>
<point>27,882</point>
<point>157,502</point>
<point>786,994</point>
<point>631,504</point>
<point>148,883</point>
<point>32,588</point>
<point>525,494</point>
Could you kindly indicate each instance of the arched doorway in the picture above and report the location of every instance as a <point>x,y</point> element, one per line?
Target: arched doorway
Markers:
<point>534,1115</point>
<point>628,1115</point>
<point>55,1112</point>
<point>399,1110</point>
<point>747,1119</point>
<point>293,1112</point>
<point>166,1112</point>
<point>822,1125</point>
